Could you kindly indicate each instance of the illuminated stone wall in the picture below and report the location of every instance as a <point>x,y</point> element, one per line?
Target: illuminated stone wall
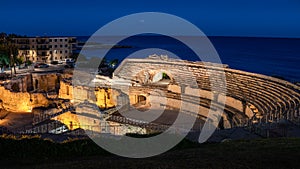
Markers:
<point>45,82</point>
<point>21,83</point>
<point>69,120</point>
<point>25,92</point>
<point>171,98</point>
<point>34,82</point>
<point>103,97</point>
<point>21,101</point>
<point>65,90</point>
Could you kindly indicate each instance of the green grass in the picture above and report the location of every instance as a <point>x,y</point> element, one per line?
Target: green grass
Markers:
<point>37,153</point>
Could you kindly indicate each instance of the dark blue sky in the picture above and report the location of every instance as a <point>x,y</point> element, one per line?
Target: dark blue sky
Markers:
<point>274,18</point>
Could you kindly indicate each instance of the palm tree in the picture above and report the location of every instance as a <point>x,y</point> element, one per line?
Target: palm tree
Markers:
<point>4,60</point>
<point>9,51</point>
<point>13,53</point>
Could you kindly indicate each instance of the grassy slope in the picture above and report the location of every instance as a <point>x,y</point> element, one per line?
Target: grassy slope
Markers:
<point>265,153</point>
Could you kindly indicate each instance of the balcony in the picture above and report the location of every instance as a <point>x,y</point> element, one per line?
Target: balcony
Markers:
<point>42,41</point>
<point>24,47</point>
<point>23,42</point>
<point>20,41</point>
<point>42,48</point>
<point>43,54</point>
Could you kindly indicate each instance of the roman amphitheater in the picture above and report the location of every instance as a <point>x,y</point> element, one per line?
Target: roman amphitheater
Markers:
<point>60,103</point>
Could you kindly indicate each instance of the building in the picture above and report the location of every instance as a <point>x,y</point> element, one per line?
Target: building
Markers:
<point>45,49</point>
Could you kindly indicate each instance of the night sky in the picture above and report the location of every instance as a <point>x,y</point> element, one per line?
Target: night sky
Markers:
<point>219,18</point>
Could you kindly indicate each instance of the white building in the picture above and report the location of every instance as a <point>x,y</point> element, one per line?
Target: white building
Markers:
<point>45,49</point>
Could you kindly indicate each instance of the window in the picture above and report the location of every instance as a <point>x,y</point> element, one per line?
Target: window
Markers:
<point>55,58</point>
<point>50,52</point>
<point>61,46</point>
<point>60,58</point>
<point>61,40</point>
<point>66,46</point>
<point>32,46</point>
<point>60,51</point>
<point>66,51</point>
<point>50,40</point>
<point>50,46</point>
<point>66,40</point>
<point>55,46</point>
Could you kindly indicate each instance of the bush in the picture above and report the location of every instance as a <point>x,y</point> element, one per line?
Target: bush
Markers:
<point>28,62</point>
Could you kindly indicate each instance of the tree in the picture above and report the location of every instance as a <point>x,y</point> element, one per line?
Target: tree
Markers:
<point>3,37</point>
<point>4,60</point>
<point>165,76</point>
<point>19,60</point>
<point>8,49</point>
<point>4,56</point>
<point>107,67</point>
<point>113,63</point>
<point>28,62</point>
<point>74,56</point>
<point>13,53</point>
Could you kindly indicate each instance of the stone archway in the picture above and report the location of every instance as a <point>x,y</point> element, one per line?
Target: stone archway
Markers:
<point>161,77</point>
<point>141,100</point>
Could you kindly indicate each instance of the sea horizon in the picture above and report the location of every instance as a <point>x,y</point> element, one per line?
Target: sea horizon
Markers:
<point>277,57</point>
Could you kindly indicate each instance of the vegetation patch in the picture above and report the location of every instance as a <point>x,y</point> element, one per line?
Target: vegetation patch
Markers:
<point>29,151</point>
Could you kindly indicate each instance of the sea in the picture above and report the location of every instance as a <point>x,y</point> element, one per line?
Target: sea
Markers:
<point>277,57</point>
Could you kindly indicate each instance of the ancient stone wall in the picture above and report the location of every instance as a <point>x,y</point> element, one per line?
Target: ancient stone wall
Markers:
<point>21,83</point>
<point>34,82</point>
<point>69,119</point>
<point>65,90</point>
<point>22,101</point>
<point>103,97</point>
<point>45,82</point>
